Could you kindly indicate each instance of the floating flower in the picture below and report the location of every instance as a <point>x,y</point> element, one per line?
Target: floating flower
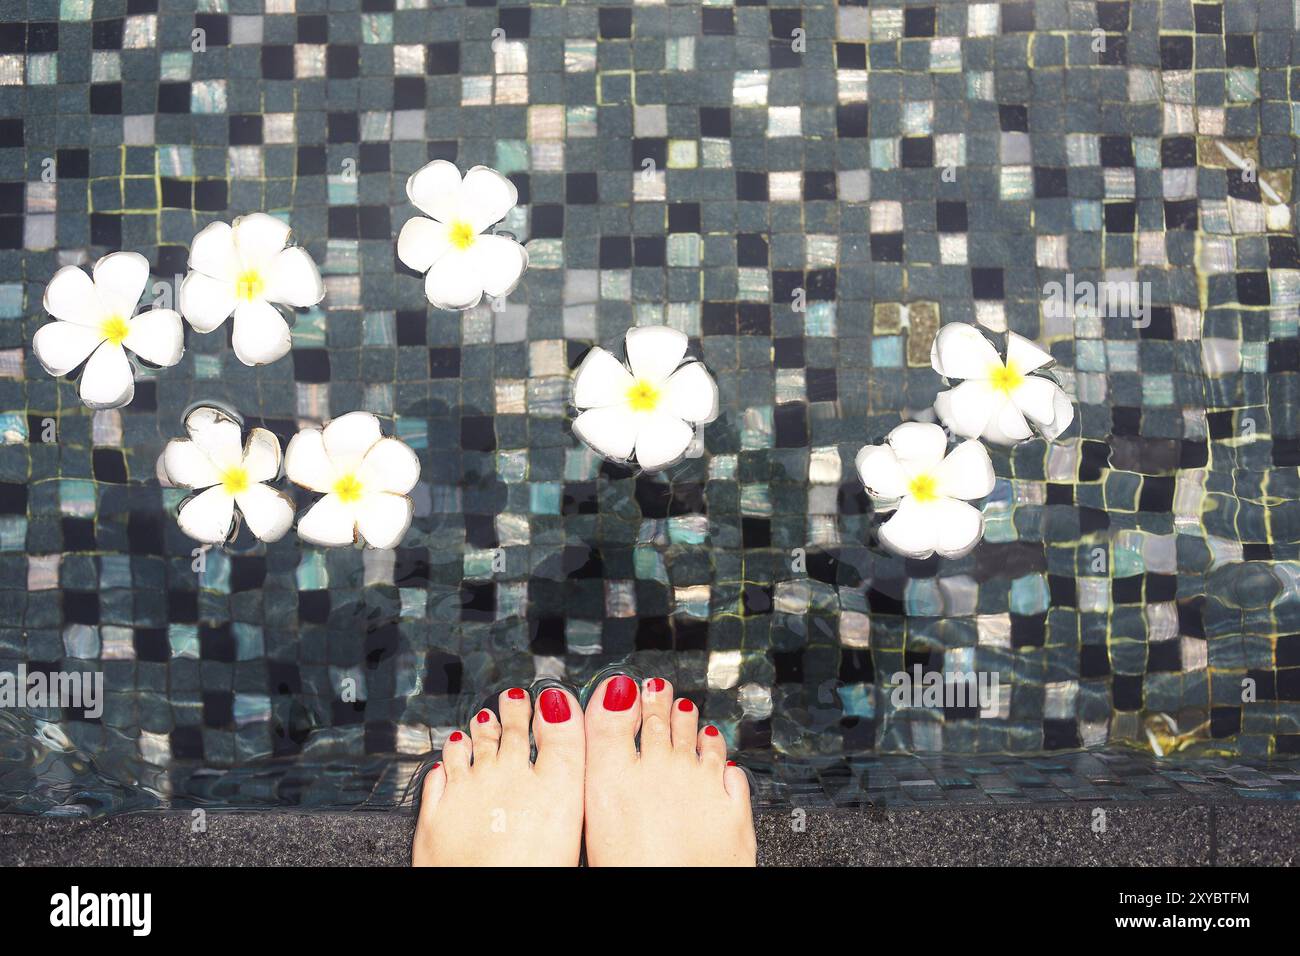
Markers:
<point>227,473</point>
<point>95,319</point>
<point>927,491</point>
<point>997,400</point>
<point>249,268</point>
<point>462,261</point>
<point>651,409</point>
<point>364,476</point>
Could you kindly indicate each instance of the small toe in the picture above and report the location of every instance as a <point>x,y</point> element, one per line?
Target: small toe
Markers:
<point>557,728</point>
<point>736,783</point>
<point>485,732</point>
<point>431,791</point>
<point>612,717</point>
<point>456,753</point>
<point>685,721</point>
<point>712,746</point>
<point>516,710</point>
<point>656,709</point>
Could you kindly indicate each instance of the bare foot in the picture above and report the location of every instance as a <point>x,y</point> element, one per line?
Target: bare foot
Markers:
<point>676,803</point>
<point>501,809</point>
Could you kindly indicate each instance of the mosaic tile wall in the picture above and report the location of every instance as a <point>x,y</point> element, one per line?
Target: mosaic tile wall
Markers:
<point>903,164</point>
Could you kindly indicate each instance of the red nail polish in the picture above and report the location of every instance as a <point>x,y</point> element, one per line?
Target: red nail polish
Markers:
<point>620,693</point>
<point>554,706</point>
<point>656,684</point>
<point>731,763</point>
<point>685,706</point>
<point>457,735</point>
<point>435,766</point>
<point>484,716</point>
<point>710,731</point>
<point>516,693</point>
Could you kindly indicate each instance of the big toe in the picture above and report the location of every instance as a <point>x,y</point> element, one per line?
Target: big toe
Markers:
<point>613,716</point>
<point>557,728</point>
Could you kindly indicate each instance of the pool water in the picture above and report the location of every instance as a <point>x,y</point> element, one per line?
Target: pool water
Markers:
<point>905,165</point>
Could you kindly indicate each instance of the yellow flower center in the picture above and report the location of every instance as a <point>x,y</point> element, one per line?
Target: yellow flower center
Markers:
<point>462,234</point>
<point>348,488</point>
<point>923,488</point>
<point>249,286</point>
<point>1005,378</point>
<point>235,480</point>
<point>114,329</point>
<point>643,396</point>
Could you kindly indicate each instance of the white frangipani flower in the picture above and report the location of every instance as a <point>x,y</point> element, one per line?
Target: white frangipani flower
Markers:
<point>462,261</point>
<point>227,472</point>
<point>650,411</point>
<point>997,400</point>
<point>364,476</point>
<point>927,491</point>
<point>95,319</point>
<point>248,268</point>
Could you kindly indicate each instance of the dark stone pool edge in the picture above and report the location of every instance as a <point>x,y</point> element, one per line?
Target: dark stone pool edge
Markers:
<point>1168,833</point>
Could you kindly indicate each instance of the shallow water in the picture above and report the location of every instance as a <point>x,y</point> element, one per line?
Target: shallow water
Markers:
<point>1133,574</point>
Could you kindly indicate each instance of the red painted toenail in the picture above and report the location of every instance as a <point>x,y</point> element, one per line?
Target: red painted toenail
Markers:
<point>516,693</point>
<point>656,684</point>
<point>436,766</point>
<point>554,706</point>
<point>731,763</point>
<point>620,693</point>
<point>710,731</point>
<point>455,737</point>
<point>685,706</point>
<point>484,716</point>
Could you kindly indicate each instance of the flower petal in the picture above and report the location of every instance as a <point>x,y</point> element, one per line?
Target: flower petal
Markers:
<point>261,456</point>
<point>157,336</point>
<point>1024,355</point>
<point>1007,425</point>
<point>261,335</point>
<point>967,408</point>
<point>499,263</point>
<point>966,473</point>
<point>293,279</point>
<point>267,512</point>
<point>435,190</point>
<point>601,380</point>
<point>70,296</point>
<point>881,473</point>
<point>329,522</point>
<point>188,465</point>
<point>453,283</point>
<point>349,437</point>
<point>259,239</point>
<point>661,440</point>
<point>655,351</point>
<point>383,518</point>
<point>1036,397</point>
<point>108,381</point>
<point>213,252</point>
<point>307,463</point>
<point>422,242</point>
<point>206,302</point>
<point>918,444</point>
<point>691,394</point>
<point>959,525</point>
<point>208,516</point>
<point>62,346</point>
<point>910,531</point>
<point>961,351</point>
<point>610,429</point>
<point>486,197</point>
<point>120,278</point>
<point>389,465</point>
<point>1064,414</point>
<point>217,435</point>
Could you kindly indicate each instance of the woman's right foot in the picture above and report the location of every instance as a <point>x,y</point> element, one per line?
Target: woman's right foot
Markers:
<point>678,802</point>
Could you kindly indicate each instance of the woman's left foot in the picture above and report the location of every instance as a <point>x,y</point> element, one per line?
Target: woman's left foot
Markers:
<point>499,808</point>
